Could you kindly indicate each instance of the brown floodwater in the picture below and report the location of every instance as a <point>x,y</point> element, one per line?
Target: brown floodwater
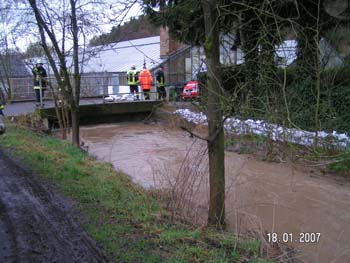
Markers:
<point>296,206</point>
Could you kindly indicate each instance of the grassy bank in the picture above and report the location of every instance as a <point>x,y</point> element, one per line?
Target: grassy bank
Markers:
<point>128,222</point>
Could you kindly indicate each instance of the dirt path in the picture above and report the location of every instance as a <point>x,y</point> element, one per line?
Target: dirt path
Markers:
<point>37,225</point>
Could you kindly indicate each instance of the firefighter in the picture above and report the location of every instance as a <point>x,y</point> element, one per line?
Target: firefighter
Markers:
<point>132,76</point>
<point>40,82</point>
<point>161,92</point>
<point>2,119</point>
<point>2,107</point>
<point>145,78</point>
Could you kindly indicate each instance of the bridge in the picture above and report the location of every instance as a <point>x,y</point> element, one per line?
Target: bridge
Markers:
<point>93,113</point>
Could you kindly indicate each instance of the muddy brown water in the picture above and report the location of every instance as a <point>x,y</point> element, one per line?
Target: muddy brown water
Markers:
<point>296,206</point>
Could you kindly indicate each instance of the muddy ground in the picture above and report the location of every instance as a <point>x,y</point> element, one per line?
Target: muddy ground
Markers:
<point>36,224</point>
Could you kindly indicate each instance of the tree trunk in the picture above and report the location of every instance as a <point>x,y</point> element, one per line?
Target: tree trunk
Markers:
<point>216,152</point>
<point>75,106</point>
<point>5,63</point>
<point>75,127</point>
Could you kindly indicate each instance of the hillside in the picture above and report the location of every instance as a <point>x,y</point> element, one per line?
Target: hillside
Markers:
<point>134,29</point>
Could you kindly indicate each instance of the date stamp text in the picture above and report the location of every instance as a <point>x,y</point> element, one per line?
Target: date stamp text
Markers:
<point>303,237</point>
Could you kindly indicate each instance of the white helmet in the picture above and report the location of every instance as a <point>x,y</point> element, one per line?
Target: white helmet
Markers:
<point>133,66</point>
<point>39,61</point>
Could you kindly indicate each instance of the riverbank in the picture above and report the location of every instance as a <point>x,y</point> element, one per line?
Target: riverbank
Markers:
<point>281,196</point>
<point>129,223</point>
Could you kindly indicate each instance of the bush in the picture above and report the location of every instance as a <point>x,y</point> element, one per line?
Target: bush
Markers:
<point>265,98</point>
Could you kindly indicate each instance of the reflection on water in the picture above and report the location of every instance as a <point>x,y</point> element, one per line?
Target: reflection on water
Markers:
<point>268,197</point>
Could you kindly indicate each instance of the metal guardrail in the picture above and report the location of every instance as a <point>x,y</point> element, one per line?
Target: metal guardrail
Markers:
<point>91,87</point>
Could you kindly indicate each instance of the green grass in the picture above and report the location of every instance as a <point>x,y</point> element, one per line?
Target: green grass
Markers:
<point>128,222</point>
<point>340,163</point>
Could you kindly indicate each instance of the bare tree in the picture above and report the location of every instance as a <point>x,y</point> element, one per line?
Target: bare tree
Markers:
<point>65,25</point>
<point>191,29</point>
<point>5,51</point>
<point>215,115</point>
<point>72,91</point>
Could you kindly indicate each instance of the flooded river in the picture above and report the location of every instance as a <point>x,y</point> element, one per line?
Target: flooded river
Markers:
<point>293,205</point>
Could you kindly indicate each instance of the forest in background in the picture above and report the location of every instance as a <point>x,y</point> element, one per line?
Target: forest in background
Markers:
<point>133,29</point>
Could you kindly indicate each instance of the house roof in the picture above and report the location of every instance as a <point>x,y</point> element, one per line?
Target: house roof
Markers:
<point>120,56</point>
<point>13,66</point>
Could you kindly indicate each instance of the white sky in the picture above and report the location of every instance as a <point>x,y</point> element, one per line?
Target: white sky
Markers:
<point>23,39</point>
<point>135,11</point>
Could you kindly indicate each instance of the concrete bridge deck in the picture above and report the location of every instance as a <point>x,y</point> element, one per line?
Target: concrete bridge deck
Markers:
<point>24,107</point>
<point>91,110</point>
<point>92,113</point>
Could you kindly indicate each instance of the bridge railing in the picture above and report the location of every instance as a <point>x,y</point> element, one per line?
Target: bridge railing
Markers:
<point>99,86</point>
<point>91,86</point>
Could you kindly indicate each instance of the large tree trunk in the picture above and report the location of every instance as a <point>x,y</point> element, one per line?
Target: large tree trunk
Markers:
<point>215,116</point>
<point>5,62</point>
<point>75,106</point>
<point>73,91</point>
<point>75,127</point>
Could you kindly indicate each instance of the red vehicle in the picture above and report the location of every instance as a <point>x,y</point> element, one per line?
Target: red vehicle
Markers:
<point>191,90</point>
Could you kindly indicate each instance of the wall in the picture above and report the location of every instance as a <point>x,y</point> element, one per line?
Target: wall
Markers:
<point>167,45</point>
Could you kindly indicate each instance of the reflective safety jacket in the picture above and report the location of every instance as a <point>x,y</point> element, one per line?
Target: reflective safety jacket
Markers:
<point>132,77</point>
<point>160,78</point>
<point>1,106</point>
<point>39,77</point>
<point>145,78</point>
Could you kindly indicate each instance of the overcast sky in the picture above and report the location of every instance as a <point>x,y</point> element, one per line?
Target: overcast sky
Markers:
<point>16,13</point>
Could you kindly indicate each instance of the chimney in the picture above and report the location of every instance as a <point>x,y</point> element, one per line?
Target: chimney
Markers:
<point>167,45</point>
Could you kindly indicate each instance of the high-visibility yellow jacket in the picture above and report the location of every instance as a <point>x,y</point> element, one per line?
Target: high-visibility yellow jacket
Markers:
<point>160,78</point>
<point>132,77</point>
<point>39,77</point>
